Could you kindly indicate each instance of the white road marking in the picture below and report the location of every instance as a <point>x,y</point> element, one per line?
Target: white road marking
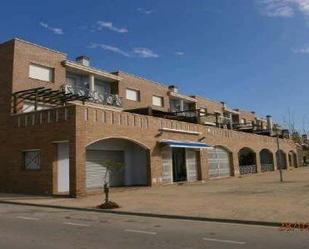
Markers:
<point>27,218</point>
<point>232,224</point>
<point>76,224</point>
<point>140,231</point>
<point>225,241</point>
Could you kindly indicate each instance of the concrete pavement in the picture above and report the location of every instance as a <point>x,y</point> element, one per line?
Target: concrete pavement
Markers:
<point>258,197</point>
<point>32,227</point>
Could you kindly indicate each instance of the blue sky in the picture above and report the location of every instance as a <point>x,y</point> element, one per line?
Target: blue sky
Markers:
<point>253,54</point>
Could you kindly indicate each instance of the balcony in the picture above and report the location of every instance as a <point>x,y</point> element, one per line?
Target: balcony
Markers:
<point>93,96</point>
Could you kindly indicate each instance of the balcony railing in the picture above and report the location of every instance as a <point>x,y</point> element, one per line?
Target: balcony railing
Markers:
<point>93,96</point>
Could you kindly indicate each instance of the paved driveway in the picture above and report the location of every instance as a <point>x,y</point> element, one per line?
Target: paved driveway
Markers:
<point>259,197</point>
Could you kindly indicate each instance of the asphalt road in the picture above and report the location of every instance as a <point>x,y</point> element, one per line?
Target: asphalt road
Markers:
<point>32,227</point>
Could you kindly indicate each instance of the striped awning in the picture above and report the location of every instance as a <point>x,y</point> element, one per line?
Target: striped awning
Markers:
<point>185,144</point>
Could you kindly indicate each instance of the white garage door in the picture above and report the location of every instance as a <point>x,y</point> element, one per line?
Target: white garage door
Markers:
<point>95,170</point>
<point>219,163</point>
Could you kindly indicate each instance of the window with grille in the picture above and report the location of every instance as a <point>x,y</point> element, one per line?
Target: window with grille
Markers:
<point>32,160</point>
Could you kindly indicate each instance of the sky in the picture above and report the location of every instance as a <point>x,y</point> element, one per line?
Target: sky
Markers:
<point>252,54</point>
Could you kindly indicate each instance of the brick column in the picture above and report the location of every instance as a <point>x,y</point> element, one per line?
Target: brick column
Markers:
<point>77,170</point>
<point>77,154</point>
<point>235,164</point>
<point>275,160</point>
<point>258,163</point>
<point>155,173</point>
<point>203,165</point>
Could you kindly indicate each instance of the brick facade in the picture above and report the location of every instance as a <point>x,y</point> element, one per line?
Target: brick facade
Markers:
<point>82,125</point>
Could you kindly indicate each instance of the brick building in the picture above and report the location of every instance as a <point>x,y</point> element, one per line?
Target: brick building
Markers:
<point>61,120</point>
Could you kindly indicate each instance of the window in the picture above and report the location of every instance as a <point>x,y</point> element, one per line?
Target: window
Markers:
<point>157,101</point>
<point>102,87</point>
<point>41,73</point>
<point>175,105</point>
<point>32,160</point>
<point>243,121</point>
<point>132,94</point>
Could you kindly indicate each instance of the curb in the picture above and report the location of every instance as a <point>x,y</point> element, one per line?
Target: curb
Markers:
<point>153,215</point>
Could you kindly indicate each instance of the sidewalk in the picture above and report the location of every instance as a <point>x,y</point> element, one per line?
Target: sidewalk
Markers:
<point>259,198</point>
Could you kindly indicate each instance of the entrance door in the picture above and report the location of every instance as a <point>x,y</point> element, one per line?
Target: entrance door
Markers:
<point>179,165</point>
<point>63,166</point>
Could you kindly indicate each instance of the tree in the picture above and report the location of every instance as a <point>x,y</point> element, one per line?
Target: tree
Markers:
<point>290,124</point>
<point>111,167</point>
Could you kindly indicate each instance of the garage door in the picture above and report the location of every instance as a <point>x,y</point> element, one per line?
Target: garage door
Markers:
<point>95,170</point>
<point>219,163</point>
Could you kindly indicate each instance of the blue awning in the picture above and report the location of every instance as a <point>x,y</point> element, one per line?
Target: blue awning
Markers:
<point>185,144</point>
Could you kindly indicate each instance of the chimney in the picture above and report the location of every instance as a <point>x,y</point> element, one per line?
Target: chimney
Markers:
<point>173,88</point>
<point>83,60</point>
<point>269,123</point>
<point>253,112</point>
<point>223,103</point>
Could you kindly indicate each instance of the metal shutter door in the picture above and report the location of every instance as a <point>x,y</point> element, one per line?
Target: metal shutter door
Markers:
<point>167,165</point>
<point>95,171</point>
<point>191,165</point>
<point>213,164</point>
<point>224,162</point>
<point>219,163</point>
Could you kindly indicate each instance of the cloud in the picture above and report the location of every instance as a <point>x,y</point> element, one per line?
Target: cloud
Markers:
<point>109,48</point>
<point>145,53</point>
<point>109,25</point>
<point>284,8</point>
<point>145,11</point>
<point>304,50</point>
<point>57,31</point>
<point>135,52</point>
<point>179,53</point>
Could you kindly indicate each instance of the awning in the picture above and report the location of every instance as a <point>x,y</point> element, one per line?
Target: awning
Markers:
<point>185,144</point>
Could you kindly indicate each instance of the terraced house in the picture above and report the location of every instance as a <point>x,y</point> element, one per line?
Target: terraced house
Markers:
<point>62,120</point>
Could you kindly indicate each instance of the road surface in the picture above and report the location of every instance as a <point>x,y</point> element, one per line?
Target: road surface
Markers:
<point>34,227</point>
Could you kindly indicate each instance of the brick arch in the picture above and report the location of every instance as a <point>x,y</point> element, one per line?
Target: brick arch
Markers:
<point>223,147</point>
<point>120,137</point>
<point>292,156</point>
<point>142,146</point>
<point>283,156</point>
<point>247,159</point>
<point>266,160</point>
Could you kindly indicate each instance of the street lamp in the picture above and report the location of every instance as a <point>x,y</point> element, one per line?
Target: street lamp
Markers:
<point>279,161</point>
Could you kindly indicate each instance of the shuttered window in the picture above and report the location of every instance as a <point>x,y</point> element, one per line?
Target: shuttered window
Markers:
<point>157,101</point>
<point>32,160</point>
<point>39,72</point>
<point>132,94</point>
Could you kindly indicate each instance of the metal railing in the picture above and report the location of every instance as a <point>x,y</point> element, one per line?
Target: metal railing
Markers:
<point>247,169</point>
<point>267,167</point>
<point>93,96</point>
<point>186,113</point>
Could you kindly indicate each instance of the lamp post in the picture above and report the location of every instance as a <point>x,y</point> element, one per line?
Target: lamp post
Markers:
<point>279,154</point>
